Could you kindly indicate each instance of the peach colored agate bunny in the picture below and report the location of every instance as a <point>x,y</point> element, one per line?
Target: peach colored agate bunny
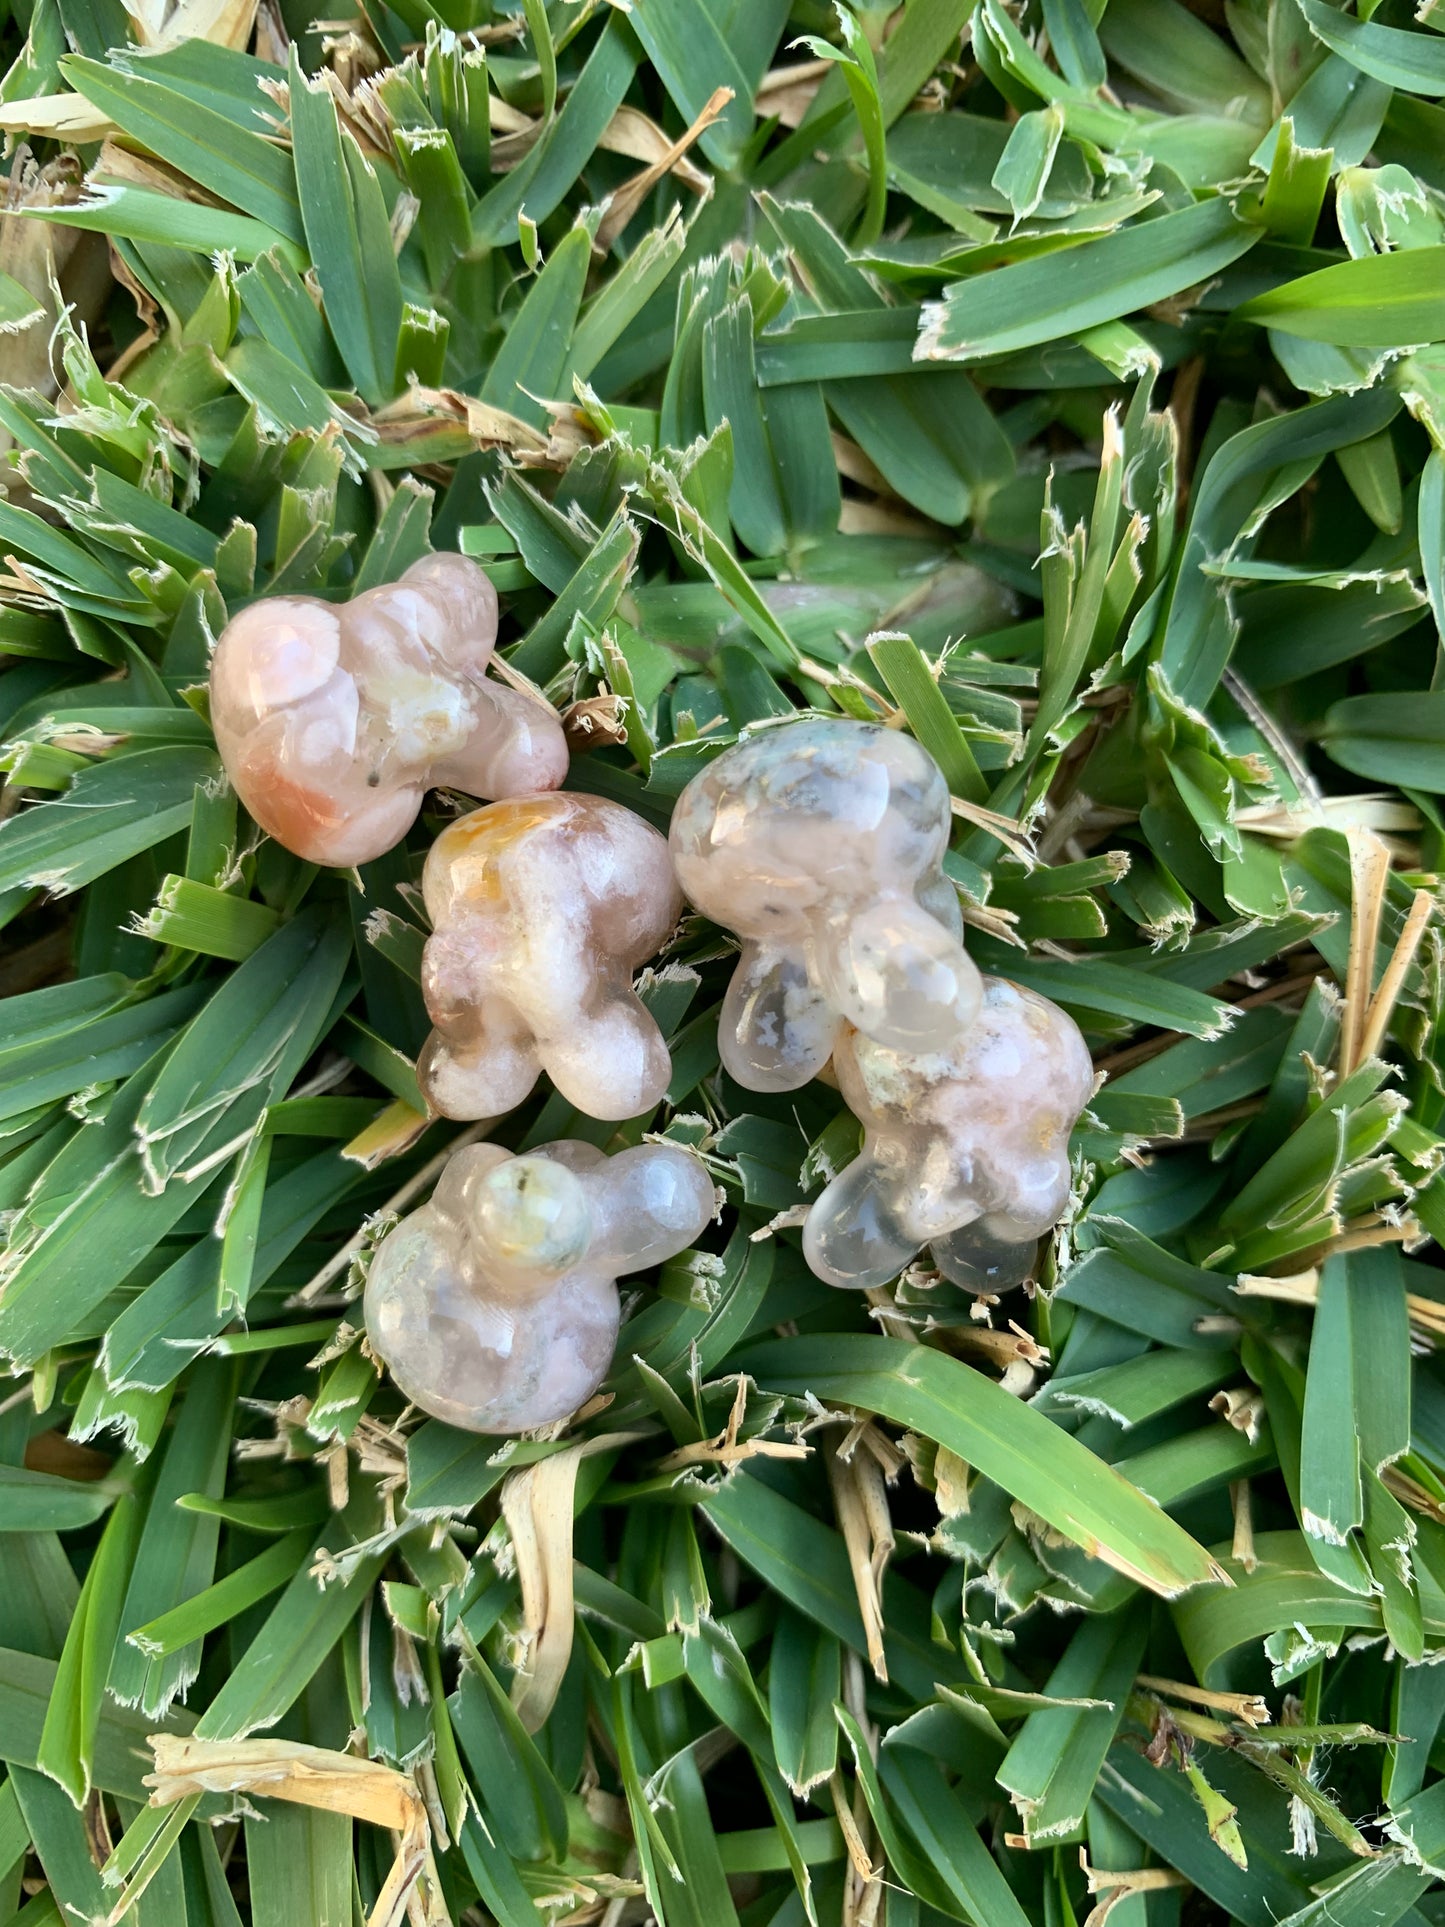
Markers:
<point>333,720</point>
<point>542,907</point>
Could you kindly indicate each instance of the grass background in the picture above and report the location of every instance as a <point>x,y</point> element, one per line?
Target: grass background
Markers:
<point>1060,382</point>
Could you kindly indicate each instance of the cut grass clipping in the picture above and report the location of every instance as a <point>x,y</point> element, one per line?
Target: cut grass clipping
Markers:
<point>1062,382</point>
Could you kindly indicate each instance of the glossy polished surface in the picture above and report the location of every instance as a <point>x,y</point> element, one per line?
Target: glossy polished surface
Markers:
<point>542,909</point>
<point>820,843</point>
<point>495,1305</point>
<point>333,720</point>
<point>964,1150</point>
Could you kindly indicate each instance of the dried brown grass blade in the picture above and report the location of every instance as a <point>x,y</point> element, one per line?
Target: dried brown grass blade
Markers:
<point>1247,1707</point>
<point>392,1131</point>
<point>788,91</point>
<point>1114,1887</point>
<point>65,117</point>
<point>623,205</point>
<point>726,1448</point>
<point>226,23</point>
<point>860,1500</point>
<point>1382,1004</point>
<point>853,1840</point>
<point>537,1505</point>
<point>634,134</point>
<point>1369,875</point>
<point>1242,1545</point>
<point>313,1776</point>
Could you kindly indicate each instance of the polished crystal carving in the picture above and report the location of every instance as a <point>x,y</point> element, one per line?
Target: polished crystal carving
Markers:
<point>542,908</point>
<point>333,720</point>
<point>965,1150</point>
<point>820,844</point>
<point>495,1305</point>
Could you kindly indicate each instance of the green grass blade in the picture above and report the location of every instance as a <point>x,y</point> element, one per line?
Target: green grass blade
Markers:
<point>1045,1470</point>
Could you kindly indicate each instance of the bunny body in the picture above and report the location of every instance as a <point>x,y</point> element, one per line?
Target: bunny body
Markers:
<point>542,908</point>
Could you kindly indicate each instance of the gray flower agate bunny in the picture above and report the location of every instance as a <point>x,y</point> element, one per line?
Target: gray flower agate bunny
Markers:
<point>965,1150</point>
<point>495,1305</point>
<point>820,843</point>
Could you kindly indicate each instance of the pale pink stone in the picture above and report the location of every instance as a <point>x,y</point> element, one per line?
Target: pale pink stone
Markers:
<point>542,907</point>
<point>333,721</point>
<point>495,1305</point>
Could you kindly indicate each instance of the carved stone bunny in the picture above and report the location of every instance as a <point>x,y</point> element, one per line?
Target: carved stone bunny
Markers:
<point>333,721</point>
<point>495,1305</point>
<point>819,843</point>
<point>542,908</point>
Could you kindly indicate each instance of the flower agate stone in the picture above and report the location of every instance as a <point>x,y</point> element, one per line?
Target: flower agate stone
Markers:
<point>820,843</point>
<point>334,721</point>
<point>965,1150</point>
<point>542,908</point>
<point>495,1305</point>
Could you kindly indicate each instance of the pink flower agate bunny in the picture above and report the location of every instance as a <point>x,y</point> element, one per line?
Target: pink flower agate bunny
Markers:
<point>819,843</point>
<point>495,1306</point>
<point>333,721</point>
<point>965,1150</point>
<point>542,908</point>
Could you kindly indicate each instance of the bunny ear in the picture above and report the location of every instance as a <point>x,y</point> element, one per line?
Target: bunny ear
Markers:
<point>852,1236</point>
<point>649,1203</point>
<point>776,1029</point>
<point>516,747</point>
<point>465,595</point>
<point>464,1170</point>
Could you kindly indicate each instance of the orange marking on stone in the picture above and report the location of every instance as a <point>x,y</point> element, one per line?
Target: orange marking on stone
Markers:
<point>476,846</point>
<point>292,812</point>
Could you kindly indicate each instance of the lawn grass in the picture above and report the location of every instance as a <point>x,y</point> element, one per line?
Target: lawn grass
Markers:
<point>1061,382</point>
